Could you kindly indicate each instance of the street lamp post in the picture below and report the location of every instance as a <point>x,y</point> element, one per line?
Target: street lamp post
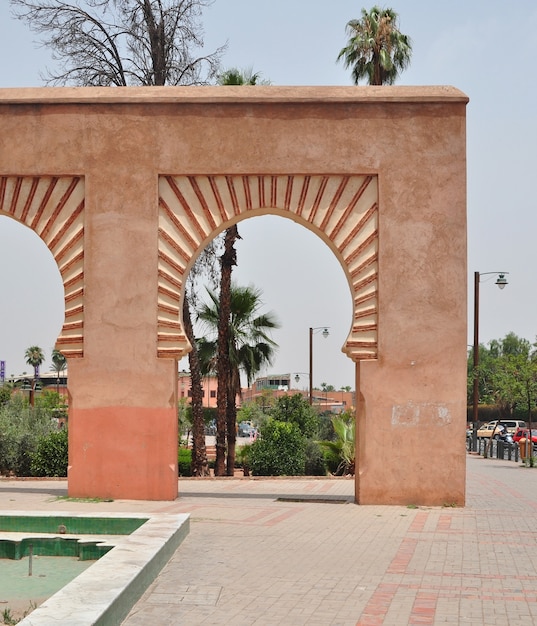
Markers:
<point>297,376</point>
<point>501,281</point>
<point>325,334</point>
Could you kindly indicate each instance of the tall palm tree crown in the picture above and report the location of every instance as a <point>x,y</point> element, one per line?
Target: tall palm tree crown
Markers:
<point>377,50</point>
<point>34,357</point>
<point>59,363</point>
<point>235,76</point>
<point>250,347</point>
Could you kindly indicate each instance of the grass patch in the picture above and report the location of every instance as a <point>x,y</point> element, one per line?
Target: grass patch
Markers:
<point>90,500</point>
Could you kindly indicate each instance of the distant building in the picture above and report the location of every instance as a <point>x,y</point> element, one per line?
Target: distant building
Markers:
<point>281,384</point>
<point>209,386</point>
<point>46,381</point>
<point>277,382</point>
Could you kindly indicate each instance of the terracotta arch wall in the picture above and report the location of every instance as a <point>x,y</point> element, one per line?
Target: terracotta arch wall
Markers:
<point>53,207</point>
<point>139,179</point>
<point>343,210</point>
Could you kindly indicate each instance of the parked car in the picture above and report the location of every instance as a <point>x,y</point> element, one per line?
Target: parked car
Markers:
<point>524,433</point>
<point>511,425</point>
<point>247,430</point>
<point>485,432</point>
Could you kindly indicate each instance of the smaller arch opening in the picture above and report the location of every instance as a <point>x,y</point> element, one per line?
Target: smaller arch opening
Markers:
<point>33,307</point>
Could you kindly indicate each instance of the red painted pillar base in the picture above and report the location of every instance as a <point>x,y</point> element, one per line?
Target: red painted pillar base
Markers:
<point>123,453</point>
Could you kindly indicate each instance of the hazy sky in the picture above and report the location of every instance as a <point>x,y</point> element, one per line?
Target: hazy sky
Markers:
<point>485,48</point>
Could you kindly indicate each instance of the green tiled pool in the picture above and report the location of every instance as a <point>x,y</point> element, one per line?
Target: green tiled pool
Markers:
<point>16,549</point>
<point>73,525</point>
<point>129,549</point>
<point>63,543</point>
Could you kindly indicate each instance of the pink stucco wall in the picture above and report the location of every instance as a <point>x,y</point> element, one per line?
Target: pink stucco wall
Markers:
<point>412,382</point>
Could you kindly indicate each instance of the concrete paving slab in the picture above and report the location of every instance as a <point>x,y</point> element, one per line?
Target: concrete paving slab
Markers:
<point>279,552</point>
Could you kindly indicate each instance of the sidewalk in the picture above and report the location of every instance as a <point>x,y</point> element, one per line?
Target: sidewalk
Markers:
<point>296,552</point>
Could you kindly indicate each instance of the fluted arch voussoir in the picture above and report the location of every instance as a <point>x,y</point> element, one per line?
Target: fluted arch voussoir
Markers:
<point>344,208</point>
<point>53,207</point>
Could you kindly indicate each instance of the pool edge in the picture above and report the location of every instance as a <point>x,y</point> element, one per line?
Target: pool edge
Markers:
<point>105,593</point>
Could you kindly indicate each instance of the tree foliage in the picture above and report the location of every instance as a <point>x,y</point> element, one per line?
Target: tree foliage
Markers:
<point>34,357</point>
<point>280,451</point>
<point>59,363</point>
<point>51,455</point>
<point>123,42</point>
<point>376,50</point>
<point>21,427</point>
<point>507,374</point>
<point>296,409</point>
<point>249,342</point>
<point>342,450</point>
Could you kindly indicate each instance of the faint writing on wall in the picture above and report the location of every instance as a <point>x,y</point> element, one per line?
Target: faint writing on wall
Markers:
<point>420,413</point>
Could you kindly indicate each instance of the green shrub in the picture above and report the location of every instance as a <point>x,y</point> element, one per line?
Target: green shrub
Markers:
<point>243,458</point>
<point>344,446</point>
<point>5,394</point>
<point>8,453</point>
<point>315,464</point>
<point>279,451</point>
<point>296,409</point>
<point>332,460</point>
<point>325,429</point>
<point>51,455</point>
<point>185,462</point>
<point>21,427</point>
<point>25,452</point>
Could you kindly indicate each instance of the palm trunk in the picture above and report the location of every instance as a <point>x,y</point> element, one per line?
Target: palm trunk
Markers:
<point>234,390</point>
<point>231,419</point>
<point>34,387</point>
<point>228,260</point>
<point>200,465</point>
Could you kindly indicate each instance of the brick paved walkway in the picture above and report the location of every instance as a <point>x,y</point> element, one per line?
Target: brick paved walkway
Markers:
<point>296,552</point>
<point>251,559</point>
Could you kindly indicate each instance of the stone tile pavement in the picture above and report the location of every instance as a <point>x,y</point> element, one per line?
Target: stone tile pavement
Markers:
<point>297,552</point>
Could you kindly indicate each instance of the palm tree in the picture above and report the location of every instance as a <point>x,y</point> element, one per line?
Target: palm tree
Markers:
<point>226,415</point>
<point>343,447</point>
<point>249,348</point>
<point>223,417</point>
<point>377,50</point>
<point>200,464</point>
<point>59,363</point>
<point>34,357</point>
<point>235,76</point>
<point>203,269</point>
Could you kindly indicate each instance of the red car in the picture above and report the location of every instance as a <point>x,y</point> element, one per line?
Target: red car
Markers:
<point>524,432</point>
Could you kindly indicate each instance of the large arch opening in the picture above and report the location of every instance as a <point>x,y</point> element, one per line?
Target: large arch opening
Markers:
<point>342,210</point>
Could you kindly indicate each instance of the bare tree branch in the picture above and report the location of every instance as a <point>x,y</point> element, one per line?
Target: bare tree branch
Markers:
<point>123,42</point>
